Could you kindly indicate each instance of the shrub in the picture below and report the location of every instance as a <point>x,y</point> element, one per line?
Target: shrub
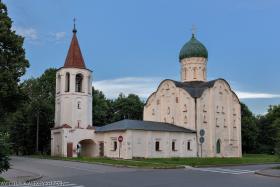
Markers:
<point>4,152</point>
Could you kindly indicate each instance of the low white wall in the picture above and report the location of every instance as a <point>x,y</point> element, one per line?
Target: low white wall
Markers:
<point>138,143</point>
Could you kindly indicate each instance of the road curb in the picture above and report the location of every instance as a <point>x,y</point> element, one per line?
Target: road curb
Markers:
<point>125,166</point>
<point>261,172</point>
<point>224,165</point>
<point>19,175</point>
<point>113,165</point>
<point>34,178</point>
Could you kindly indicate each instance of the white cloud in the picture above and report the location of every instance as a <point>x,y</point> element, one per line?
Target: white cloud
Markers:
<point>28,33</point>
<point>144,86</point>
<point>255,95</point>
<point>58,35</point>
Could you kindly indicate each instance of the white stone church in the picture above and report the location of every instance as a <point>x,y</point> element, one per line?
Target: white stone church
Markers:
<point>192,117</point>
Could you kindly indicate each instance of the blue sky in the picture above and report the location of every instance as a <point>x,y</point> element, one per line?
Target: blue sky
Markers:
<point>132,45</point>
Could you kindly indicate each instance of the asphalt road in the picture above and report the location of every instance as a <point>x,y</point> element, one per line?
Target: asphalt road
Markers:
<point>74,174</point>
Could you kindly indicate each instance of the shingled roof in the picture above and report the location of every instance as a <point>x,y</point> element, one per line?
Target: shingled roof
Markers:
<point>127,124</point>
<point>74,57</point>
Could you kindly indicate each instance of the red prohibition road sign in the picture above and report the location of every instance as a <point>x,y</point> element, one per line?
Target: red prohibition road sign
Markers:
<point>120,138</point>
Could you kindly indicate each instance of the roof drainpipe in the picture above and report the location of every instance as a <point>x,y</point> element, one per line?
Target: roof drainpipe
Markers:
<point>195,105</point>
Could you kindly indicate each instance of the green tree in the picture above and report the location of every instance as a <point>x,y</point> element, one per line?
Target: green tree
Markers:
<point>39,105</point>
<point>276,138</point>
<point>130,107</point>
<point>13,65</point>
<point>269,129</point>
<point>101,109</point>
<point>4,152</point>
<point>249,130</point>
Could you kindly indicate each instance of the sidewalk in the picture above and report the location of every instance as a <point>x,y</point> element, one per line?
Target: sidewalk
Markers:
<point>19,176</point>
<point>269,172</point>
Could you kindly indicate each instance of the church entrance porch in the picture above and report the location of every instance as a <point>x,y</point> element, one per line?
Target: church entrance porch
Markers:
<point>85,148</point>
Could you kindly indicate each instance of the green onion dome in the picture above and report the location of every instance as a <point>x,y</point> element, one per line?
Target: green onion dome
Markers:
<point>193,48</point>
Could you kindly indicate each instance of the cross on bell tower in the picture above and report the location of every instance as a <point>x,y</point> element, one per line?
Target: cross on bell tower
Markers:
<point>74,29</point>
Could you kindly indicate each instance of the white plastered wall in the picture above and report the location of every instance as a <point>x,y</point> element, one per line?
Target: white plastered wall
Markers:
<point>219,115</point>
<point>172,105</point>
<point>193,69</point>
<point>66,109</point>
<point>138,143</point>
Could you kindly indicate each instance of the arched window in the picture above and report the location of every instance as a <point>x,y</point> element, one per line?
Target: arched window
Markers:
<point>204,108</point>
<point>153,112</point>
<point>58,84</point>
<point>218,146</point>
<point>185,119</point>
<point>79,82</point>
<point>194,73</point>
<point>67,82</point>
<point>168,110</point>
<point>89,85</point>
<point>185,108</point>
<point>185,73</point>
<point>167,87</point>
<point>79,105</point>
<point>158,102</point>
<point>204,118</point>
<point>204,73</point>
<point>172,120</point>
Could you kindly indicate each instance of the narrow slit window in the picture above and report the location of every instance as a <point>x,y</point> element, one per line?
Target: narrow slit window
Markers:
<point>67,82</point>
<point>189,145</point>
<point>157,146</point>
<point>173,146</point>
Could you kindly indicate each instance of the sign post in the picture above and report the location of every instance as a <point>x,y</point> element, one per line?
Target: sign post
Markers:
<point>120,140</point>
<point>201,140</point>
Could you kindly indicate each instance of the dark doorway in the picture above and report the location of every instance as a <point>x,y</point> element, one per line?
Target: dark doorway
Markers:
<point>70,149</point>
<point>101,149</point>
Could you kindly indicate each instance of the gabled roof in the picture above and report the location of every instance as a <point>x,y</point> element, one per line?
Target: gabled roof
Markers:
<point>127,124</point>
<point>195,88</point>
<point>63,126</point>
<point>74,57</point>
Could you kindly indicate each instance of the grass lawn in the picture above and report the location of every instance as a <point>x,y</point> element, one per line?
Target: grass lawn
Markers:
<point>176,162</point>
<point>115,162</point>
<point>246,159</point>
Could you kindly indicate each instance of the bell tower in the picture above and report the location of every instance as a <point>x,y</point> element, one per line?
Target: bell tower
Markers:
<point>73,104</point>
